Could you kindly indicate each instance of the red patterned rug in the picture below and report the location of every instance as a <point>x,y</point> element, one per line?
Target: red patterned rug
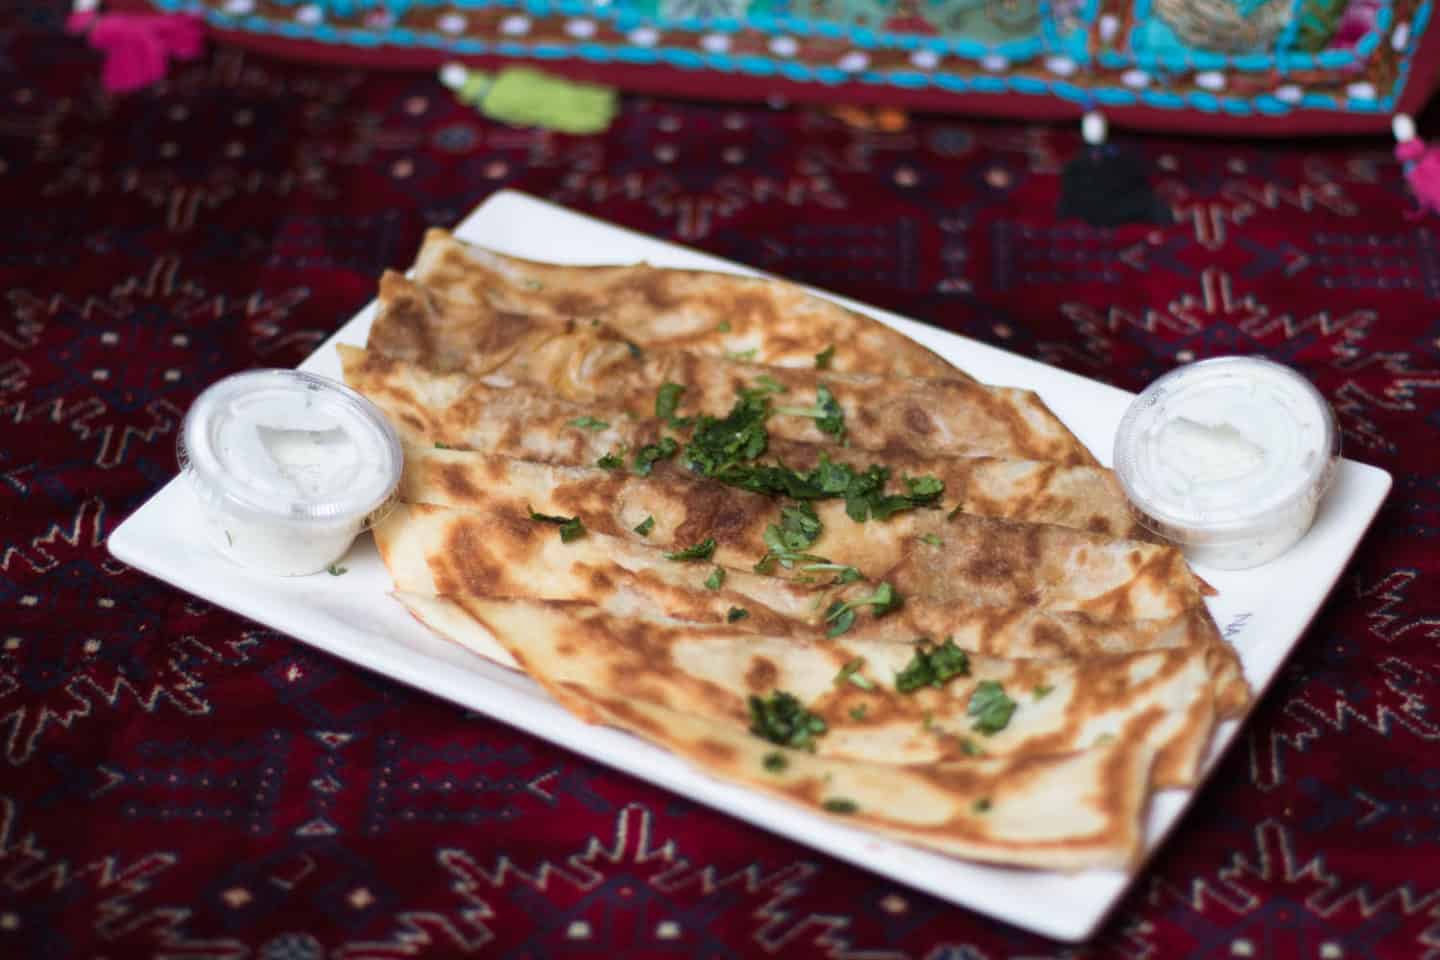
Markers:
<point>176,782</point>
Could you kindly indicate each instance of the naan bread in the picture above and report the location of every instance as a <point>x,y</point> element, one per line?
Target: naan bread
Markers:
<point>430,408</point>
<point>950,417</point>
<point>1002,809</point>
<point>693,310</point>
<point>1061,705</point>
<point>432,550</point>
<point>977,560</point>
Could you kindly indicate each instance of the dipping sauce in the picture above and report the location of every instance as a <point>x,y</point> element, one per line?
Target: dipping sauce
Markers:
<point>288,467</point>
<point>1228,458</point>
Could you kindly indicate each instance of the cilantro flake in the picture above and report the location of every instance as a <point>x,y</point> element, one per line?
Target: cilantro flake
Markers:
<point>782,719</point>
<point>824,357</point>
<point>932,667</point>
<point>571,528</point>
<point>588,422</point>
<point>990,707</point>
<point>645,526</point>
<point>850,673</point>
<point>841,805</point>
<point>703,550</point>
<point>735,614</point>
<point>716,580</point>
<point>775,762</point>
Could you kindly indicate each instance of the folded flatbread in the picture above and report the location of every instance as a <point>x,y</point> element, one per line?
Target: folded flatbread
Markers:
<point>775,322</point>
<point>950,417</point>
<point>460,412</point>
<point>434,553</point>
<point>998,809</point>
<point>1061,705</point>
<point>922,552</point>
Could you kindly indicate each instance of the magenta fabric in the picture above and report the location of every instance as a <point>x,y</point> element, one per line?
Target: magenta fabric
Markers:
<point>178,782</point>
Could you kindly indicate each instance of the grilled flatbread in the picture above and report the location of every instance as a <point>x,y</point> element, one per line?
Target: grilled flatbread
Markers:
<point>693,310</point>
<point>1060,705</point>
<point>458,412</point>
<point>977,560</point>
<point>1001,809</point>
<point>432,550</point>
<point>950,417</point>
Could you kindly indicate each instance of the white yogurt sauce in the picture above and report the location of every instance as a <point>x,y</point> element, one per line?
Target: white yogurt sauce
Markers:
<point>1228,458</point>
<point>287,467</point>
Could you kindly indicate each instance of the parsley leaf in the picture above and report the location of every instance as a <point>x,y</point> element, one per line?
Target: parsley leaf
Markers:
<point>441,446</point>
<point>742,356</point>
<point>823,358</point>
<point>990,707</point>
<point>736,613</point>
<point>768,384</point>
<point>716,580</point>
<point>1042,691</point>
<point>781,718</point>
<point>611,461</point>
<point>932,667</point>
<point>850,673</point>
<point>775,762</point>
<point>570,527</point>
<point>933,539</point>
<point>724,327</point>
<point>842,615</point>
<point>667,401</point>
<point>826,412</point>
<point>335,571</point>
<point>841,805</point>
<point>857,712</point>
<point>645,526</point>
<point>589,423</point>
<point>647,455</point>
<point>703,550</point>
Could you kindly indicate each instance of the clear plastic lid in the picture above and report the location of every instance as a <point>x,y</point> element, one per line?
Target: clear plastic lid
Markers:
<point>1227,450</point>
<point>290,447</point>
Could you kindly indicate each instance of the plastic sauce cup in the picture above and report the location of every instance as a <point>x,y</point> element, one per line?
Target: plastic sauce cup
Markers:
<point>287,468</point>
<point>1228,458</point>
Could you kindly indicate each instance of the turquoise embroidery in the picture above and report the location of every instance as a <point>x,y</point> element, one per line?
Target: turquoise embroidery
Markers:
<point>1163,53</point>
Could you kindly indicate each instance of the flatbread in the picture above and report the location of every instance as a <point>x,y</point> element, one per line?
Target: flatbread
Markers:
<point>430,408</point>
<point>950,417</point>
<point>1002,809</point>
<point>1061,705</point>
<point>693,310</point>
<point>977,560</point>
<point>432,550</point>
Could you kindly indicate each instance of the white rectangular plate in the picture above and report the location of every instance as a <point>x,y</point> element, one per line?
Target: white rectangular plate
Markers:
<point>1263,611</point>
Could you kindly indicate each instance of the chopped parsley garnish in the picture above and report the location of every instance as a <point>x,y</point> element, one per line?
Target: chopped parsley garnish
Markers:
<point>841,805</point>
<point>742,356</point>
<point>968,747</point>
<point>1042,691</point>
<point>990,707</point>
<point>718,446</point>
<point>667,401</point>
<point>703,550</point>
<point>335,571</point>
<point>775,762</point>
<point>570,527</point>
<point>724,327</point>
<point>767,384</point>
<point>716,580</point>
<point>826,412</point>
<point>841,616</point>
<point>823,358</point>
<point>932,667</point>
<point>647,455</point>
<point>736,613</point>
<point>441,446</point>
<point>933,539</point>
<point>781,718</point>
<point>850,673</point>
<point>982,805</point>
<point>645,526</point>
<point>798,528</point>
<point>611,461</point>
<point>588,422</point>
<point>857,712</point>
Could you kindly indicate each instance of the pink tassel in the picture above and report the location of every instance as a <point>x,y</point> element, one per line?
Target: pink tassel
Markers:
<point>138,47</point>
<point>1420,163</point>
